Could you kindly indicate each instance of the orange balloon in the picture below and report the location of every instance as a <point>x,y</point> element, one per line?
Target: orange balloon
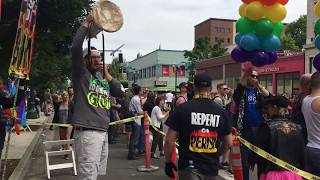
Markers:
<point>283,2</point>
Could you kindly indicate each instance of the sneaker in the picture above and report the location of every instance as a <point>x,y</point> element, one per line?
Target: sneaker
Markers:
<point>153,156</point>
<point>225,164</point>
<point>132,158</point>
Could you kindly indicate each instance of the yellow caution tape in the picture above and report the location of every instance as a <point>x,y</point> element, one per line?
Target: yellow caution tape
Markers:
<point>38,123</point>
<point>125,120</point>
<point>277,161</point>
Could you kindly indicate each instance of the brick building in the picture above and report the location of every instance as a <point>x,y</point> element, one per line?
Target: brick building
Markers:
<point>215,29</point>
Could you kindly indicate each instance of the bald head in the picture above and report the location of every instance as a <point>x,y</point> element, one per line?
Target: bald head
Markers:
<point>305,83</point>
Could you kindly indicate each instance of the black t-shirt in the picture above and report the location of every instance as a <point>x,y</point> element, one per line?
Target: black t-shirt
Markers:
<point>201,125</point>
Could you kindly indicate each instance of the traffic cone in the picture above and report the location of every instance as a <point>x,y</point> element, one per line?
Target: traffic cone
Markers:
<point>236,157</point>
<point>147,167</point>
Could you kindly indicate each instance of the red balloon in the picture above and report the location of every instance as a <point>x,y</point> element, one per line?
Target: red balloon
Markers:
<point>247,1</point>
<point>283,2</point>
<point>268,2</point>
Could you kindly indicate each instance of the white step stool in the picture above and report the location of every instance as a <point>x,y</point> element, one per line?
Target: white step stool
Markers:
<point>47,147</point>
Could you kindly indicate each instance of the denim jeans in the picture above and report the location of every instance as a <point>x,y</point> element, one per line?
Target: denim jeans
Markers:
<point>140,146</point>
<point>135,132</point>
<point>312,156</point>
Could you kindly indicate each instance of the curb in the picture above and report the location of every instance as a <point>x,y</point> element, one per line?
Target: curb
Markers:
<point>21,170</point>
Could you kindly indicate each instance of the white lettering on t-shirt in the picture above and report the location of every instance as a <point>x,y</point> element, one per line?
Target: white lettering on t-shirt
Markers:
<point>202,119</point>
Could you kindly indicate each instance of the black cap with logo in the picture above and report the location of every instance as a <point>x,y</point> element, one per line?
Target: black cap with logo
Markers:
<point>202,80</point>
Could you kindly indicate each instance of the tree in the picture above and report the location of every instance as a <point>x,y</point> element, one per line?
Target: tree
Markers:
<point>288,43</point>
<point>57,21</point>
<point>297,30</point>
<point>203,50</point>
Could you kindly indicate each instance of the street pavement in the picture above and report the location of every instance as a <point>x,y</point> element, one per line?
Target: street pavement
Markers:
<point>119,168</point>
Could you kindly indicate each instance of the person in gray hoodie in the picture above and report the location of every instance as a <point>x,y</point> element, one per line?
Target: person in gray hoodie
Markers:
<point>93,86</point>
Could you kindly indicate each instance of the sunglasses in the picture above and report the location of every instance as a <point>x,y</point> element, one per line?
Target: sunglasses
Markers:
<point>225,89</point>
<point>254,76</point>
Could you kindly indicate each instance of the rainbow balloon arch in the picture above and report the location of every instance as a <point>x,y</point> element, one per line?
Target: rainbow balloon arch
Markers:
<point>258,31</point>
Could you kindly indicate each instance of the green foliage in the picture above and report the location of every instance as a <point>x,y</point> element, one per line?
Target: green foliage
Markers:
<point>115,69</point>
<point>57,21</point>
<point>203,50</point>
<point>288,43</point>
<point>297,30</point>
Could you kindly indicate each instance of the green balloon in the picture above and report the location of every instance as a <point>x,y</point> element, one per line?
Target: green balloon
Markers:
<point>264,28</point>
<point>317,27</point>
<point>278,28</point>
<point>244,25</point>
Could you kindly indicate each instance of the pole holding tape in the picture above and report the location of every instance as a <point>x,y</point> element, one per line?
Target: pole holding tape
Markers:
<point>147,167</point>
<point>236,156</point>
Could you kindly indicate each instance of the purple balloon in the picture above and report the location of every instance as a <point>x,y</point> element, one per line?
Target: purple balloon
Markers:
<point>273,57</point>
<point>239,55</point>
<point>260,59</point>
<point>316,62</point>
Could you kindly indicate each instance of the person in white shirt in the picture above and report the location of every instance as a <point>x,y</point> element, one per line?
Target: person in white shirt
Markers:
<point>157,117</point>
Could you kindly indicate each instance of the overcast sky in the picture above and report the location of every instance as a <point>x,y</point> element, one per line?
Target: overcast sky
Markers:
<point>170,23</point>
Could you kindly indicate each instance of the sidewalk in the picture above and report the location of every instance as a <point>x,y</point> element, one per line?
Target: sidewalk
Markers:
<point>119,168</point>
<point>18,147</point>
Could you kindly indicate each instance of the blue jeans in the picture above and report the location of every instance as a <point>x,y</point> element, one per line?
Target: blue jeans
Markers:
<point>246,154</point>
<point>140,146</point>
<point>312,156</point>
<point>134,138</point>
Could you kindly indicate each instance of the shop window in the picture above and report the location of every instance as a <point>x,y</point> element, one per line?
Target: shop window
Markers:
<point>165,71</point>
<point>287,83</point>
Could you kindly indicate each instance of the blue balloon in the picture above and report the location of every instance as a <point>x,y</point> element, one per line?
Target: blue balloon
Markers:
<point>249,42</point>
<point>273,57</point>
<point>316,62</point>
<point>271,43</point>
<point>238,38</point>
<point>317,42</point>
<point>260,59</point>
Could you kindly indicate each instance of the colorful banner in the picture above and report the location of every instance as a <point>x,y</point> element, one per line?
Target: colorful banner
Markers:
<point>23,47</point>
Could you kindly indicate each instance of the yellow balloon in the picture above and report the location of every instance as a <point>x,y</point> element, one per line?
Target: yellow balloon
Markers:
<point>243,10</point>
<point>255,10</point>
<point>276,12</point>
<point>317,9</point>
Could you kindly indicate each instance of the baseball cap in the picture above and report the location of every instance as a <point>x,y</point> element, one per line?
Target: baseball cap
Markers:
<point>202,80</point>
<point>183,84</point>
<point>279,101</point>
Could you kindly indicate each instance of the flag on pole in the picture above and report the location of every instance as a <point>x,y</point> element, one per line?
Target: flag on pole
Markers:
<point>23,47</point>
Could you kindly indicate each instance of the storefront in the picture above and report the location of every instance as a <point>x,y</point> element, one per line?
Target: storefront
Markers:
<point>283,76</point>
